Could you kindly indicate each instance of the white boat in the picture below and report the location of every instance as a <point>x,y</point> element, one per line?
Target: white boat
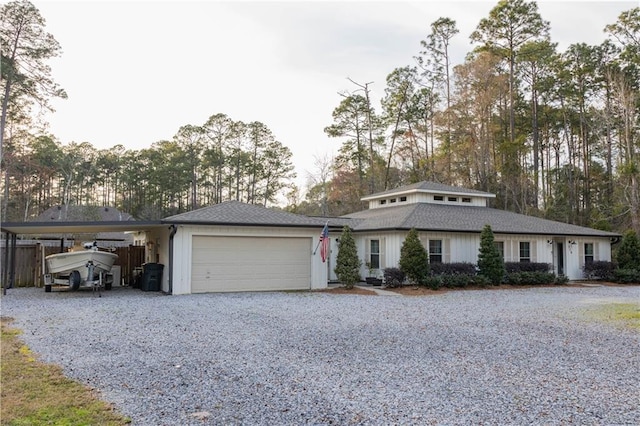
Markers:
<point>86,267</point>
<point>78,260</point>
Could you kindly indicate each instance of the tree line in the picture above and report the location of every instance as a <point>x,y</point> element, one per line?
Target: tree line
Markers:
<point>202,165</point>
<point>552,133</point>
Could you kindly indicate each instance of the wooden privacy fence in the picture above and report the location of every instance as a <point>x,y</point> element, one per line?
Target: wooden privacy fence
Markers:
<point>28,267</point>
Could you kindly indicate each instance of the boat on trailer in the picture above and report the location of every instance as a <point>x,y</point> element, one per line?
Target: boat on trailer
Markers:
<point>86,268</point>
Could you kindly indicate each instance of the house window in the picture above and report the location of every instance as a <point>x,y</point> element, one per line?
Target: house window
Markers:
<point>403,199</point>
<point>393,200</point>
<point>525,251</point>
<point>466,199</point>
<point>438,198</point>
<point>383,201</point>
<point>500,246</point>
<point>435,251</point>
<point>454,199</point>
<point>374,254</point>
<point>588,253</point>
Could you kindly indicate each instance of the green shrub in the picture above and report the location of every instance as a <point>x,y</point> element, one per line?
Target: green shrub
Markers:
<point>414,260</point>
<point>561,279</point>
<point>599,270</point>
<point>458,280</point>
<point>490,263</point>
<point>347,263</point>
<point>481,280</point>
<point>628,255</point>
<point>626,276</point>
<point>511,267</point>
<point>530,278</point>
<point>433,283</point>
<point>393,277</point>
<point>452,268</point>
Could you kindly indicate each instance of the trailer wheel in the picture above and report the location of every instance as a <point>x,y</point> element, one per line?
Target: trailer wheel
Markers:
<point>74,280</point>
<point>47,289</point>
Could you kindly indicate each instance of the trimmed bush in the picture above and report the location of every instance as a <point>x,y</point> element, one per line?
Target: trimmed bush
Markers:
<point>628,255</point>
<point>414,260</point>
<point>481,280</point>
<point>393,277</point>
<point>458,280</point>
<point>512,267</point>
<point>455,268</point>
<point>599,270</point>
<point>433,283</point>
<point>530,278</point>
<point>561,279</point>
<point>347,263</point>
<point>626,276</point>
<point>490,263</point>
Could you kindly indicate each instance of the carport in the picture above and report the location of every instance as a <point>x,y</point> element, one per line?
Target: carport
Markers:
<point>12,230</point>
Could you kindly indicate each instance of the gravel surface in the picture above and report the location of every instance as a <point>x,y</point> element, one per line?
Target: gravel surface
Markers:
<point>508,357</point>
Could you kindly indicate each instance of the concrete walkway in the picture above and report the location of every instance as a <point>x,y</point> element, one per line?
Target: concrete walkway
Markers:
<point>379,291</point>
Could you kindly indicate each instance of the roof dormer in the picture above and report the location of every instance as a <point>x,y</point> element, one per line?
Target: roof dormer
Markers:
<point>428,192</point>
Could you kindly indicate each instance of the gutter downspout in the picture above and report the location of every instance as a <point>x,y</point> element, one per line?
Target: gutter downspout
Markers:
<point>172,232</point>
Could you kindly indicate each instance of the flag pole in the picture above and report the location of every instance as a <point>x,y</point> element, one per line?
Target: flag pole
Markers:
<point>320,239</point>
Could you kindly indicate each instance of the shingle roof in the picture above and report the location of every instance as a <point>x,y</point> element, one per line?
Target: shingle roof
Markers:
<point>427,186</point>
<point>439,217</point>
<point>238,213</point>
<point>82,214</point>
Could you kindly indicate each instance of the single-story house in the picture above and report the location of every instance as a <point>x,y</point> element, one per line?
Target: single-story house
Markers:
<point>233,246</point>
<point>450,219</point>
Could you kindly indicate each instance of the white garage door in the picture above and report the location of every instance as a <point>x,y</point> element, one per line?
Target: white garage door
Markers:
<point>250,264</point>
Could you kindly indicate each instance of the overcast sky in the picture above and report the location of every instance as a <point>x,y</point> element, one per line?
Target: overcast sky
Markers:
<point>135,72</point>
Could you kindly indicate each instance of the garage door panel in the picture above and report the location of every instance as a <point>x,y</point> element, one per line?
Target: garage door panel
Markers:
<point>250,264</point>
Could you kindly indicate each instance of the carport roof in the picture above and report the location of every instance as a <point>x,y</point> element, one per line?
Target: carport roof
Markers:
<point>80,227</point>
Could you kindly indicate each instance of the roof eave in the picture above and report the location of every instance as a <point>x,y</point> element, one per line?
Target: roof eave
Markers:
<point>270,225</point>
<point>79,227</point>
<point>463,231</point>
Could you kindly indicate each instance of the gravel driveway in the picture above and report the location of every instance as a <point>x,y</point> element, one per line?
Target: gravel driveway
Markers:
<point>495,357</point>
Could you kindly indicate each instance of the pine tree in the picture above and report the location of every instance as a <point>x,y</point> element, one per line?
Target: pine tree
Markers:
<point>490,263</point>
<point>414,259</point>
<point>347,263</point>
<point>629,252</point>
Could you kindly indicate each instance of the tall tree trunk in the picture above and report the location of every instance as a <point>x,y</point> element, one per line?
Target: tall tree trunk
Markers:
<point>536,143</point>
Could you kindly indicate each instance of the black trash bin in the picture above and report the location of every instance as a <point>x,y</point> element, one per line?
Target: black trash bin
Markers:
<point>151,276</point>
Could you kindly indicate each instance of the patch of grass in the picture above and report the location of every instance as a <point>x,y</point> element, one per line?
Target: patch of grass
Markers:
<point>34,393</point>
<point>621,314</point>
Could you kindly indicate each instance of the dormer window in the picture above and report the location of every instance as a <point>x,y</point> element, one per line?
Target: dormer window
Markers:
<point>453,199</point>
<point>402,199</point>
<point>466,200</point>
<point>393,200</point>
<point>383,202</point>
<point>438,198</point>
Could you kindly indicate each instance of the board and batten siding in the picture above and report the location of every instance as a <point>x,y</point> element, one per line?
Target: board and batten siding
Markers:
<point>183,244</point>
<point>601,252</point>
<point>457,247</point>
<point>363,247</point>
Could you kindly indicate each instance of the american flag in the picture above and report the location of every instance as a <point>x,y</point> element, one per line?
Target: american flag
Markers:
<point>324,242</point>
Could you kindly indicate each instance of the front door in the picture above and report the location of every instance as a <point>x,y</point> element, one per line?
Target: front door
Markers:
<point>560,256</point>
